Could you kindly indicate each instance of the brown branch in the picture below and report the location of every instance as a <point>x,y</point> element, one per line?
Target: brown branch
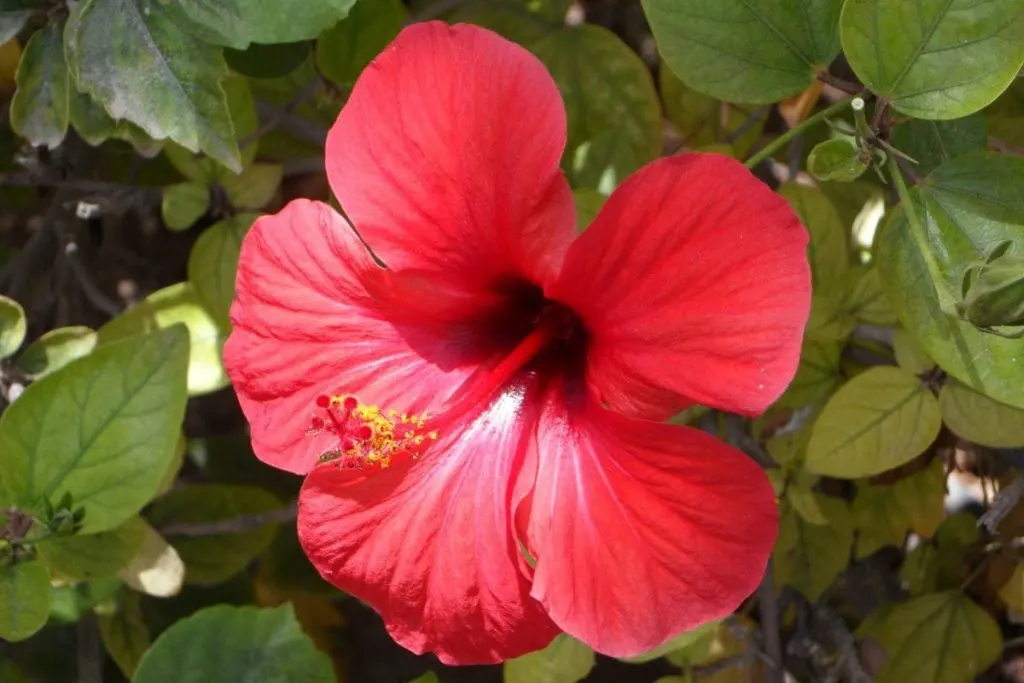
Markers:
<point>234,525</point>
<point>768,603</point>
<point>90,656</point>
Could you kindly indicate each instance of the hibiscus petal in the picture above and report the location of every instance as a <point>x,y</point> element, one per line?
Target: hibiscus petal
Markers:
<point>446,157</point>
<point>428,543</point>
<point>313,314</point>
<point>694,284</point>
<point>641,530</point>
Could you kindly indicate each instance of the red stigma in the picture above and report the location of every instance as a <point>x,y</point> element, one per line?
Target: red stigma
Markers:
<point>323,401</point>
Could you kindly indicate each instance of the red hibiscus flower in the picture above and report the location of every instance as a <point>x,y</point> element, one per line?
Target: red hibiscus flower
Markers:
<point>480,420</point>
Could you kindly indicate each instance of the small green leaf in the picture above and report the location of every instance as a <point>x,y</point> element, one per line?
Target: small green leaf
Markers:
<point>933,143</point>
<point>267,61</point>
<point>746,50</point>
<point>934,59</point>
<point>937,638</point>
<point>879,420</point>
<point>255,187</point>
<point>884,514</point>
<point>344,50</point>
<point>227,643</point>
<point>236,23</point>
<point>801,496</point>
<point>213,262</point>
<point>980,419</point>
<point>836,159</point>
<point>694,638</point>
<point>588,205</point>
<point>39,110</point>
<point>55,349</point>
<point>968,206</point>
<point>90,119</point>
<point>565,660</point>
<point>24,599</point>
<point>135,60</point>
<point>909,354</point>
<point>103,429</point>
<point>94,556</point>
<point>183,204</point>
<point>808,556</point>
<point>170,306</point>
<point>13,327</point>
<point>214,558</point>
<point>125,634</point>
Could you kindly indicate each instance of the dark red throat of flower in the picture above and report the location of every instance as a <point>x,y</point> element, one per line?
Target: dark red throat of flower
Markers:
<point>369,436</point>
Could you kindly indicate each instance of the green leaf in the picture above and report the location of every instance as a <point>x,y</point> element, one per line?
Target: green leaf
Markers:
<point>746,50</point>
<point>565,660</point>
<point>980,419</point>
<point>909,354</point>
<point>1006,115</point>
<point>13,327</point>
<point>255,187</point>
<point>694,638</point>
<point>215,557</point>
<point>236,23</point>
<point>227,643</point>
<point>428,677</point>
<point>866,301</point>
<point>699,118</point>
<point>93,556</point>
<point>55,349</point>
<point>933,143</point>
<point>24,599</point>
<point>938,638</point>
<point>884,514</point>
<point>90,119</point>
<point>39,110</point>
<point>244,123</point>
<point>213,262</point>
<point>267,61</point>
<point>817,374</point>
<point>877,421</point>
<point>103,429</point>
<point>828,252</point>
<point>808,556</point>
<point>967,206</point>
<point>939,564</point>
<point>125,634</point>
<point>934,59</point>
<point>801,496</point>
<point>344,50</point>
<point>72,601</point>
<point>170,306</point>
<point>836,159</point>
<point>588,205</point>
<point>136,61</point>
<point>613,110</point>
<point>183,204</point>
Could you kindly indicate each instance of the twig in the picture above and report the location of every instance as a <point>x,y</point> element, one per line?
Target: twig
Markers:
<point>840,635</point>
<point>90,659</point>
<point>768,603</point>
<point>91,290</point>
<point>997,144</point>
<point>747,124</point>
<point>846,86</point>
<point>1001,506</point>
<point>233,525</point>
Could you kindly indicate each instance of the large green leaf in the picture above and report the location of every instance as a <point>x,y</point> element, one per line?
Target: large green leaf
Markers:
<point>344,50</point>
<point>613,110</point>
<point>236,23</point>
<point>170,306</point>
<point>135,60</point>
<point>213,262</point>
<point>967,206</point>
<point>39,110</point>
<point>24,599</point>
<point>879,420</point>
<point>93,556</point>
<point>215,557</point>
<point>938,638</point>
<point>980,419</point>
<point>225,643</point>
<point>103,429</point>
<point>55,349</point>
<point>932,143</point>
<point>746,50</point>
<point>935,59</point>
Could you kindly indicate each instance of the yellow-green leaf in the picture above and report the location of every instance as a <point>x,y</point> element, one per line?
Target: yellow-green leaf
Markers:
<point>183,204</point>
<point>24,599</point>
<point>909,354</point>
<point>884,514</point>
<point>879,420</point>
<point>213,262</point>
<point>13,326</point>
<point>808,557</point>
<point>565,660</point>
<point>980,419</point>
<point>55,349</point>
<point>93,556</point>
<point>254,187</point>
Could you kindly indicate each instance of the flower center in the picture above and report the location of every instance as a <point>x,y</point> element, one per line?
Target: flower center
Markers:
<point>369,436</point>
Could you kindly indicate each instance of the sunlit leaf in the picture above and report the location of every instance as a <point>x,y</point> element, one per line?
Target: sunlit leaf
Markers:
<point>24,599</point>
<point>909,354</point>
<point>156,569</point>
<point>13,326</point>
<point>183,204</point>
<point>91,556</point>
<point>980,419</point>
<point>565,660</point>
<point>255,187</point>
<point>39,110</point>
<point>55,349</point>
